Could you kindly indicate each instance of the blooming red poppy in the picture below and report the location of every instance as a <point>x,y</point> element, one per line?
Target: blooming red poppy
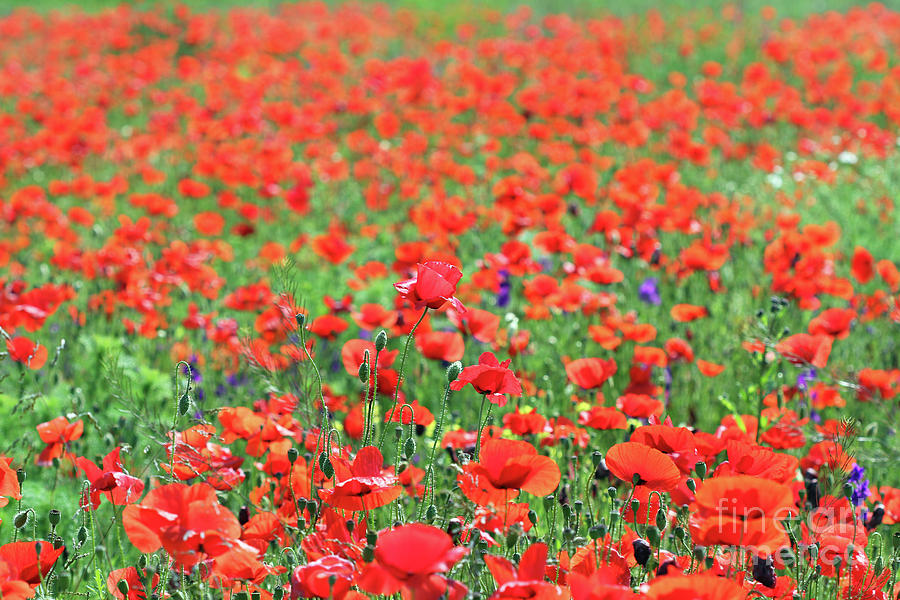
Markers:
<point>833,321</point>
<point>22,350</point>
<point>862,265</point>
<point>57,434</point>
<point>643,465</point>
<point>504,467</point>
<point>803,348</point>
<point>187,521</point>
<point>26,564</point>
<point>118,486</point>
<point>9,482</point>
<point>491,378</point>
<point>433,286</point>
<point>590,373</point>
<point>685,313</point>
<point>327,577</point>
<point>524,581</point>
<point>412,559</point>
<point>696,587</point>
<point>441,345</point>
<point>367,485</point>
<point>603,417</point>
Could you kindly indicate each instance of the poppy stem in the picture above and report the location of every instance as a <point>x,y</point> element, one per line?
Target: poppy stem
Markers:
<point>480,427</point>
<point>400,374</point>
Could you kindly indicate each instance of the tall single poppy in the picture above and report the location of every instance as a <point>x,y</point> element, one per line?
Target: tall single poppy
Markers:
<point>491,378</point>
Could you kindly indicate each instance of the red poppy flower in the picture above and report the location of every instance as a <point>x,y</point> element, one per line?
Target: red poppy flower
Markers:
<point>862,265</point>
<point>9,482</point>
<point>118,486</point>
<point>709,369</point>
<point>603,417</point>
<point>57,434</point>
<point>327,577</point>
<point>504,467</point>
<point>590,373</point>
<point>433,286</point>
<point>491,378</point>
<point>695,587</point>
<point>526,581</point>
<point>833,321</point>
<point>367,486</point>
<point>685,313</point>
<point>802,348</point>
<point>411,559</point>
<point>26,564</point>
<point>186,521</point>
<point>643,465</point>
<point>441,345</point>
<point>31,354</point>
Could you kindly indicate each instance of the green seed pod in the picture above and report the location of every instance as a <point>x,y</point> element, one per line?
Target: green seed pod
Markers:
<point>595,532</point>
<point>381,340</point>
<point>20,476</point>
<point>611,492</point>
<point>53,516</point>
<point>614,517</point>
<point>679,533</point>
<point>242,595</point>
<point>512,538</point>
<point>516,557</point>
<point>350,524</point>
<point>371,538</point>
<point>661,520</point>
<point>364,372</point>
<point>848,490</point>
<point>301,320</point>
<point>596,457</point>
<point>548,502</point>
<point>691,484</point>
<point>21,519</point>
<point>368,554</point>
<point>532,517</point>
<point>700,468</point>
<point>312,508</point>
<point>293,454</point>
<point>635,505</point>
<point>453,371</point>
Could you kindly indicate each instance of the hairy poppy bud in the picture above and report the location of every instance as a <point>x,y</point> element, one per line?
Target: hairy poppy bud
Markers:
<point>184,403</point>
<point>21,519</point>
<point>661,520</point>
<point>453,371</point>
<point>532,517</point>
<point>431,513</point>
<point>381,341</point>
<point>301,320</point>
<point>409,447</point>
<point>364,372</point>
<point>642,551</point>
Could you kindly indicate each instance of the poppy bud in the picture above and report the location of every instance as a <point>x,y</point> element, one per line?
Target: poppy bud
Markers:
<point>301,319</point>
<point>661,520</point>
<point>123,587</point>
<point>548,503</point>
<point>364,372</point>
<point>142,562</point>
<point>81,537</point>
<point>611,492</point>
<point>37,548</point>
<point>653,535</point>
<point>409,447</point>
<point>764,571</point>
<point>20,476</point>
<point>278,594</point>
<point>879,565</point>
<point>184,403</point>
<point>293,454</point>
<point>350,524</point>
<point>700,468</point>
<point>642,551</point>
<point>326,466</point>
<point>532,517</point>
<point>848,490</point>
<point>691,484</point>
<point>431,513</point>
<point>787,557</point>
<point>699,553</point>
<point>53,517</point>
<point>381,341</point>
<point>596,532</point>
<point>312,507</point>
<point>453,371</point>
<point>596,458</point>
<point>21,519</point>
<point>679,533</point>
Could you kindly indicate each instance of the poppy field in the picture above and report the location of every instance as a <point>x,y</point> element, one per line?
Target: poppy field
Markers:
<point>350,301</point>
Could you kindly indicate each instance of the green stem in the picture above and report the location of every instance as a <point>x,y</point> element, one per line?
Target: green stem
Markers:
<point>400,373</point>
